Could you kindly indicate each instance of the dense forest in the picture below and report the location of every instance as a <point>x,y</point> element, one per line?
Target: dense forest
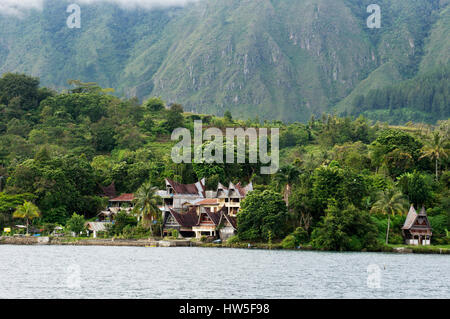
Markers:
<point>425,98</point>
<point>338,177</point>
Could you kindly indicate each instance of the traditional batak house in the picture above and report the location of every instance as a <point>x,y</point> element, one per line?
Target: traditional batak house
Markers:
<point>216,214</point>
<point>417,229</point>
<point>208,222</point>
<point>182,222</point>
<point>177,195</point>
<point>227,226</point>
<point>232,196</point>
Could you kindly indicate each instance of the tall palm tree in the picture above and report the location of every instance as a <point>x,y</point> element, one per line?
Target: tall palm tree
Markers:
<point>146,201</point>
<point>28,211</point>
<point>285,178</point>
<point>435,151</point>
<point>390,202</point>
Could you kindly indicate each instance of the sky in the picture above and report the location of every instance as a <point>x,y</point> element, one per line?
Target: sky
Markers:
<point>19,7</point>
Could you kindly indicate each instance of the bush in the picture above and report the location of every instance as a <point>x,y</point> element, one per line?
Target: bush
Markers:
<point>175,233</point>
<point>76,224</point>
<point>203,238</point>
<point>345,229</point>
<point>395,239</point>
<point>233,240</point>
<point>289,242</point>
<point>301,236</point>
<point>135,232</point>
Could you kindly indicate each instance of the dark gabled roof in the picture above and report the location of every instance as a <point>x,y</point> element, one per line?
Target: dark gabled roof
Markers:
<point>231,220</point>
<point>188,189</point>
<point>109,191</point>
<point>214,216</point>
<point>224,216</point>
<point>188,219</point>
<point>412,217</point>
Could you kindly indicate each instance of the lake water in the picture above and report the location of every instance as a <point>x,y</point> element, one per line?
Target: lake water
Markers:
<point>132,272</point>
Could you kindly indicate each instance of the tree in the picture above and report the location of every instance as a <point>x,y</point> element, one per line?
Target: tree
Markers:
<point>175,117</point>
<point>28,210</point>
<point>260,214</point>
<point>155,104</point>
<point>228,117</point>
<point>285,178</point>
<point>435,151</point>
<point>345,228</point>
<point>417,186</point>
<point>389,202</point>
<point>146,201</point>
<point>21,87</point>
<point>76,223</point>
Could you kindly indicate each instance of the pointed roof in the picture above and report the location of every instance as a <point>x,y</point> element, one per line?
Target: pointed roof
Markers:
<point>109,191</point>
<point>412,216</point>
<point>187,219</point>
<point>224,215</point>
<point>188,189</point>
<point>214,216</point>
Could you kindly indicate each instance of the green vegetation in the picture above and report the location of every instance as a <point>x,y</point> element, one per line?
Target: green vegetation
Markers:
<point>425,98</point>
<point>27,211</point>
<point>59,150</point>
<point>76,224</point>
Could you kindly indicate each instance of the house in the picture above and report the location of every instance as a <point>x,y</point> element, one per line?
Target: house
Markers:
<point>177,194</point>
<point>227,226</point>
<point>122,203</point>
<point>182,222</point>
<point>194,211</point>
<point>201,221</point>
<point>96,227</point>
<point>417,228</point>
<point>232,196</point>
<point>208,222</point>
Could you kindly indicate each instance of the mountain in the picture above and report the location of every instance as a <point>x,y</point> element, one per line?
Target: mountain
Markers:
<point>275,59</point>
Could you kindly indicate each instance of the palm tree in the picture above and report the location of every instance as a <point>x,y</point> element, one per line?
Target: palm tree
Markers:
<point>390,202</point>
<point>285,178</point>
<point>435,151</point>
<point>28,211</point>
<point>146,201</point>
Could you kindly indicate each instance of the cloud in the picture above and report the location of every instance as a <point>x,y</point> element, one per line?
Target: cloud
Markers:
<point>19,7</point>
<point>146,4</point>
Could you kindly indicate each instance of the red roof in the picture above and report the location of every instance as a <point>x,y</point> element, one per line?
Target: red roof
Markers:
<point>208,201</point>
<point>123,198</point>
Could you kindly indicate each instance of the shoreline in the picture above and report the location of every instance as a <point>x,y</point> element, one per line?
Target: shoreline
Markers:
<point>54,241</point>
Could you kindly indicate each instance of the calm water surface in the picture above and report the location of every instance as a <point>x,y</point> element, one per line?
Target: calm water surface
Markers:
<point>132,272</point>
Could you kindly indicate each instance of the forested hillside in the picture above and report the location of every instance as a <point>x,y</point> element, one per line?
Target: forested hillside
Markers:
<point>286,59</point>
<point>59,149</point>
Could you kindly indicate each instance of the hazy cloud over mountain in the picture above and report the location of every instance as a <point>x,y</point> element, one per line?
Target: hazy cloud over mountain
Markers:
<point>18,7</point>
